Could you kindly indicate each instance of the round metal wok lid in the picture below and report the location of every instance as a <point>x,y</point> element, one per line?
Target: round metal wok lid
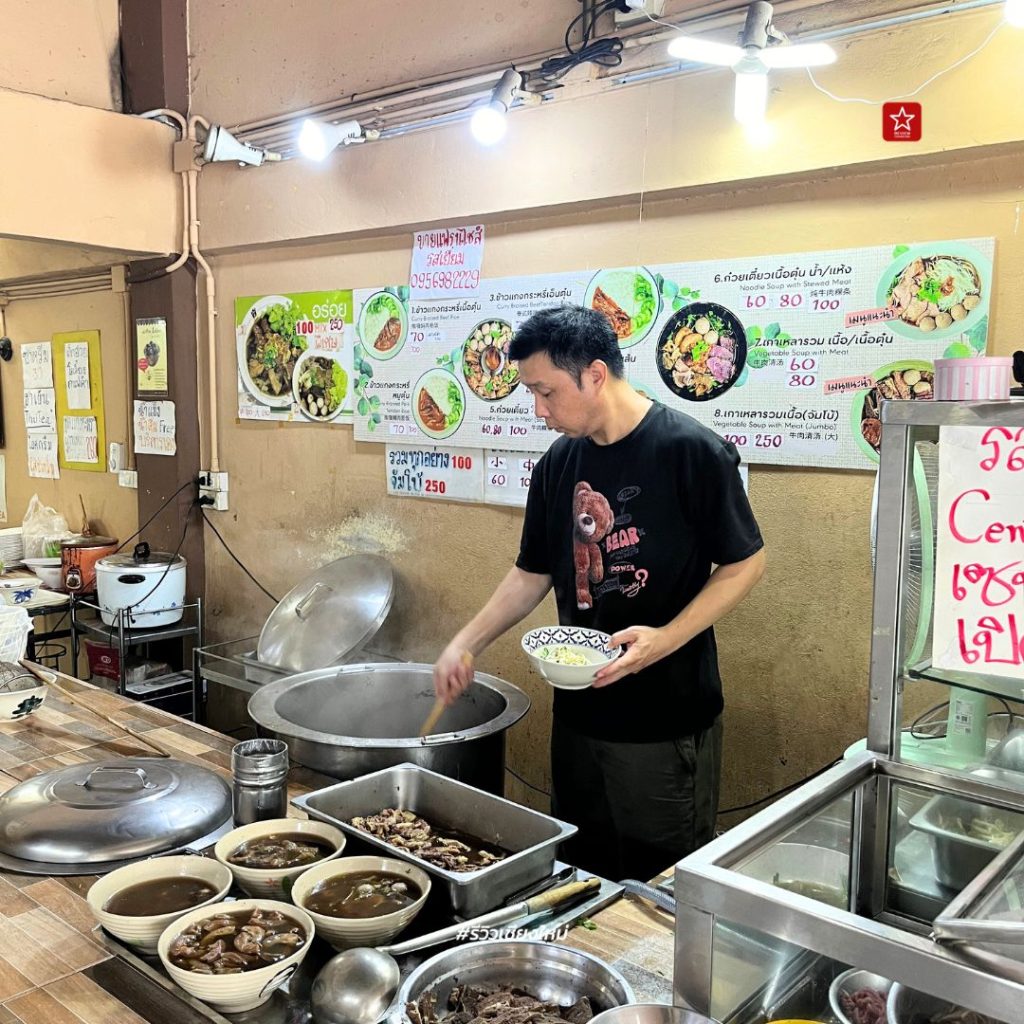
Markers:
<point>96,813</point>
<point>329,614</point>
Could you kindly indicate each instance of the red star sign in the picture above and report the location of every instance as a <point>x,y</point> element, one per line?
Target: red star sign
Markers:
<point>901,122</point>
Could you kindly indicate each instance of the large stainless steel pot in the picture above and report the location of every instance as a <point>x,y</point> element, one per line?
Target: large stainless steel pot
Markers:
<point>354,719</point>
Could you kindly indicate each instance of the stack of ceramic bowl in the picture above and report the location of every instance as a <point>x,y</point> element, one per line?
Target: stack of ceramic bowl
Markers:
<point>12,550</point>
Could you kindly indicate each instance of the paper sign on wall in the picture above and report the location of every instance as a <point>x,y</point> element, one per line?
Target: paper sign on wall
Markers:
<point>151,356</point>
<point>979,574</point>
<point>446,262</point>
<point>42,456</point>
<point>415,472</point>
<point>507,478</point>
<point>76,374</point>
<point>155,428</point>
<point>40,409</point>
<point>37,364</point>
<point>81,441</point>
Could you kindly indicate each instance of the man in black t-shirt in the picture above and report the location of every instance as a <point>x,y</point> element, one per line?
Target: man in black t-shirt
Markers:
<point>628,515</point>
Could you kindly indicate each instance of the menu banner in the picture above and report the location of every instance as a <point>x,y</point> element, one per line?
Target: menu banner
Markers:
<point>294,356</point>
<point>787,356</point>
<point>979,573</point>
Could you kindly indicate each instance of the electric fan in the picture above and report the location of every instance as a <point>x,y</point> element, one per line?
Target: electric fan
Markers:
<point>964,739</point>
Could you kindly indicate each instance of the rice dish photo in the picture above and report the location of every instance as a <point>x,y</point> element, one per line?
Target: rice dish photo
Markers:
<point>629,300</point>
<point>702,350</point>
<point>485,363</point>
<point>935,292</point>
<point>382,325</point>
<point>438,403</point>
<point>901,383</point>
<point>272,350</point>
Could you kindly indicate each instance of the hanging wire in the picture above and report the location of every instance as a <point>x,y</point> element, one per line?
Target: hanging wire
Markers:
<point>236,559</point>
<point>605,53</point>
<point>907,95</point>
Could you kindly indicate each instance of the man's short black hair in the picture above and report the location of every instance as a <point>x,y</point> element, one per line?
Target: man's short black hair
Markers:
<point>572,337</point>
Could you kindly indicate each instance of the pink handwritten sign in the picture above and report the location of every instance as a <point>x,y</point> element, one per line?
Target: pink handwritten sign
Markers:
<point>844,385</point>
<point>979,571</point>
<point>871,316</point>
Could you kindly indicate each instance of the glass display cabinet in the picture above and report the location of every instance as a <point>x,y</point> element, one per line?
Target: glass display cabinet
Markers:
<point>905,860</point>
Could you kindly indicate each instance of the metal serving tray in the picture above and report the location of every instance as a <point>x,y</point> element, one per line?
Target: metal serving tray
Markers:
<point>530,837</point>
<point>958,857</point>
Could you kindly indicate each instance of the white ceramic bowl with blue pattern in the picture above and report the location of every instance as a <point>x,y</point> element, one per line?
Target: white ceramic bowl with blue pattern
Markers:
<point>569,657</point>
<point>19,590</point>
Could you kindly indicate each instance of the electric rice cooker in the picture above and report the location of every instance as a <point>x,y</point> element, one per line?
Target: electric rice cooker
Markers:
<point>145,588</point>
<point>78,558</point>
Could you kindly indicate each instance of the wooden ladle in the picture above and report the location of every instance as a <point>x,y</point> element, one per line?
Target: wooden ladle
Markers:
<point>439,705</point>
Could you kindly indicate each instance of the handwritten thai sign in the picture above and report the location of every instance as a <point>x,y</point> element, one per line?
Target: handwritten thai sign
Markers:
<point>42,456</point>
<point>37,364</point>
<point>76,375</point>
<point>979,576</point>
<point>40,409</point>
<point>81,441</point>
<point>155,428</point>
<point>446,262</point>
<point>415,472</point>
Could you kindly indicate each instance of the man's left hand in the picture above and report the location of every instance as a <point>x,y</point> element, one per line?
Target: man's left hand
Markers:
<point>644,646</point>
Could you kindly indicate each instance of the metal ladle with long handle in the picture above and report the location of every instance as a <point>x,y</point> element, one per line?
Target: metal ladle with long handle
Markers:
<point>357,986</point>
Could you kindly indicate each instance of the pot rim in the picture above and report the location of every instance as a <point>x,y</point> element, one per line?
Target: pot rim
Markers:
<point>263,709</point>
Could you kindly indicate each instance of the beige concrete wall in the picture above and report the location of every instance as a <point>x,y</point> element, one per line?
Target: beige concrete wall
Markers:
<point>87,177</point>
<point>64,49</point>
<point>795,656</point>
<point>111,509</point>
<point>665,138</point>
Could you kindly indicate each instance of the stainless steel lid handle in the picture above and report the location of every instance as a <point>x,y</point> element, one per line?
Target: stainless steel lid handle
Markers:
<point>113,769</point>
<point>312,597</point>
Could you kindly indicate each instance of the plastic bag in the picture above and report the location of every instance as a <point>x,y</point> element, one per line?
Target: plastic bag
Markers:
<point>42,530</point>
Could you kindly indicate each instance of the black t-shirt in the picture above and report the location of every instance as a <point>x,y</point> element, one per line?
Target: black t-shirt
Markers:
<point>632,530</point>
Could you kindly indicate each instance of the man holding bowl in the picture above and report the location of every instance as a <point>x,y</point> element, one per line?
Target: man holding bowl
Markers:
<point>638,519</point>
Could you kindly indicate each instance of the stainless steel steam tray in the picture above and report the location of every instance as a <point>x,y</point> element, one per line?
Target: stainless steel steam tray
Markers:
<point>531,838</point>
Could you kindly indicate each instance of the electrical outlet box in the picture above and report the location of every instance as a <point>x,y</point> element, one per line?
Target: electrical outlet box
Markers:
<point>115,457</point>
<point>218,499</point>
<point>128,478</point>
<point>215,487</point>
<point>639,11</point>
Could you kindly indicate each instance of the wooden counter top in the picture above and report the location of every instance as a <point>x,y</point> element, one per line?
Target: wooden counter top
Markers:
<point>54,968</point>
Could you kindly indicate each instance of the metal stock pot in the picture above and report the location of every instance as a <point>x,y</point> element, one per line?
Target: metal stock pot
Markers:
<point>349,720</point>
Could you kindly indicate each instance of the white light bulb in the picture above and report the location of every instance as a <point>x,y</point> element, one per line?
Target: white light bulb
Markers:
<point>488,124</point>
<point>1014,13</point>
<point>751,98</point>
<point>704,51</point>
<point>312,143</point>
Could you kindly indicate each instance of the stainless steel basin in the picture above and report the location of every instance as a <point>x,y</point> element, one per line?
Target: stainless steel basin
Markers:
<point>354,719</point>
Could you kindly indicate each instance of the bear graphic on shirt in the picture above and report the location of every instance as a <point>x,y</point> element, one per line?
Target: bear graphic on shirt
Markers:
<point>592,521</point>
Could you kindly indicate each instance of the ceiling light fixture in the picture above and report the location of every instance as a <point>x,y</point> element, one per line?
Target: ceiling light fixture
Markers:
<point>317,139</point>
<point>762,48</point>
<point>222,146</point>
<point>1014,13</point>
<point>489,122</point>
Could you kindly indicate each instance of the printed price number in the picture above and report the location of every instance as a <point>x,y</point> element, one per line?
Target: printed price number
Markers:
<point>524,483</point>
<point>462,462</point>
<point>492,429</point>
<point>498,479</point>
<point>801,380</point>
<point>767,440</point>
<point>449,280</point>
<point>517,431</point>
<point>824,305</point>
<point>402,428</point>
<point>739,440</point>
<point>434,487</point>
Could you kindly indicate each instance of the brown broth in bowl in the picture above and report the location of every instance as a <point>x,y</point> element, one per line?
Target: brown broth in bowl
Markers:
<point>281,850</point>
<point>231,943</point>
<point>160,896</point>
<point>363,894</point>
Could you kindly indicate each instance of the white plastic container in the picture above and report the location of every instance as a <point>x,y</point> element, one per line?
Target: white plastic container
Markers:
<point>145,592</point>
<point>977,379</point>
<point>15,626</point>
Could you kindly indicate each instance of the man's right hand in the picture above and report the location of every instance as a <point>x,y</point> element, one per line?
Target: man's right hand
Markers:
<point>453,672</point>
